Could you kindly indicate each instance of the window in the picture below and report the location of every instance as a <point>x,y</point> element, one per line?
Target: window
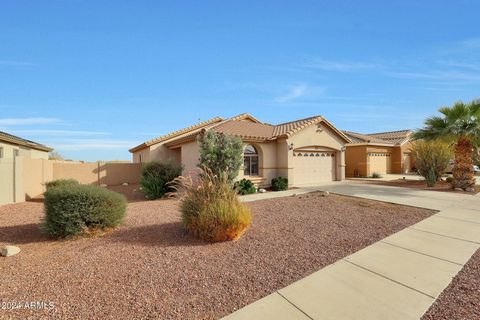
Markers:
<point>16,152</point>
<point>250,161</point>
<point>1,152</point>
<point>140,157</point>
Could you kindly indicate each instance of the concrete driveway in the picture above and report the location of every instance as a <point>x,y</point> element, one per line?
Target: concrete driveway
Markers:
<point>435,200</point>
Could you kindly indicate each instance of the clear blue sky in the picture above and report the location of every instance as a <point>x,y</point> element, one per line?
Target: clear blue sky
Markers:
<point>94,78</point>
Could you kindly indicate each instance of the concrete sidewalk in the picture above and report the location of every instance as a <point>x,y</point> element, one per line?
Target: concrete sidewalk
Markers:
<point>398,277</point>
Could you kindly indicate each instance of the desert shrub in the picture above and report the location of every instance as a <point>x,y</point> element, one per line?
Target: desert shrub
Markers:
<point>449,179</point>
<point>61,183</point>
<point>79,209</point>
<point>245,186</point>
<point>431,159</point>
<point>221,153</point>
<point>210,208</point>
<point>156,176</point>
<point>376,175</point>
<point>279,184</point>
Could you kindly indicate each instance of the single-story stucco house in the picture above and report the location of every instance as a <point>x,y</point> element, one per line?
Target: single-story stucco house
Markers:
<point>12,146</point>
<point>383,152</point>
<point>306,151</point>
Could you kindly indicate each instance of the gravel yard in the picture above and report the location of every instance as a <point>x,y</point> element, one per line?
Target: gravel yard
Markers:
<point>461,299</point>
<point>150,268</point>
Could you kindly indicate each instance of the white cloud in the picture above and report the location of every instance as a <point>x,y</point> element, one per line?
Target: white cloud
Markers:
<point>14,63</point>
<point>437,75</point>
<point>343,66</point>
<point>27,121</point>
<point>300,91</point>
<point>295,92</point>
<point>58,133</point>
<point>91,144</point>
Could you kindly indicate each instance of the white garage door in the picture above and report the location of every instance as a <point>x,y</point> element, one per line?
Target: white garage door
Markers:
<point>313,167</point>
<point>380,162</point>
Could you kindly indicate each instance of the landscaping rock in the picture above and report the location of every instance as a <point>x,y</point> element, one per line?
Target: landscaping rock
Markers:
<point>262,190</point>
<point>103,185</point>
<point>458,189</point>
<point>325,194</point>
<point>9,251</point>
<point>125,184</point>
<point>470,190</point>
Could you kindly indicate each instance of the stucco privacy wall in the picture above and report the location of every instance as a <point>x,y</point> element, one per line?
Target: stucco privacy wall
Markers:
<point>24,178</point>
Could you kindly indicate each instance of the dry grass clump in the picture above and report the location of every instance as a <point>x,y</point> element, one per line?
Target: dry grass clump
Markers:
<point>210,207</point>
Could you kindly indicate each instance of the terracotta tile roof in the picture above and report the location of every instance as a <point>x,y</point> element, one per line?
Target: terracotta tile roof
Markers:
<point>363,138</point>
<point>293,126</point>
<point>244,126</point>
<point>246,129</point>
<point>177,133</point>
<point>392,137</point>
<point>6,137</point>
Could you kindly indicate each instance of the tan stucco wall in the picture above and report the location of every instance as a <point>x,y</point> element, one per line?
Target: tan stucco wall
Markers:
<point>24,178</point>
<point>320,136</point>
<point>356,160</point>
<point>7,194</point>
<point>190,156</point>
<point>23,151</point>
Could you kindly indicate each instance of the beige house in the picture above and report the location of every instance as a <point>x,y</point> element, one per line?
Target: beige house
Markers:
<point>307,151</point>
<point>383,152</point>
<point>12,146</point>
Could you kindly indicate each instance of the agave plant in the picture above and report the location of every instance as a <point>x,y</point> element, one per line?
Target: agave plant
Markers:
<point>459,125</point>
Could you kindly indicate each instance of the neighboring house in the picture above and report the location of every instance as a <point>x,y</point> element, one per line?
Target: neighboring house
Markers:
<point>383,152</point>
<point>307,151</point>
<point>12,146</point>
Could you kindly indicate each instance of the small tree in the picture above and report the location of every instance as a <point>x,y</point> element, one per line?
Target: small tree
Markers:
<point>431,159</point>
<point>221,153</point>
<point>54,155</point>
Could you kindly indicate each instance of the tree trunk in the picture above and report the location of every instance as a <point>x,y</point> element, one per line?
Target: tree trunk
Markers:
<point>463,176</point>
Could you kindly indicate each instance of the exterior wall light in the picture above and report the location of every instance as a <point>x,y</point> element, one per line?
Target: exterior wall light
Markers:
<point>290,146</point>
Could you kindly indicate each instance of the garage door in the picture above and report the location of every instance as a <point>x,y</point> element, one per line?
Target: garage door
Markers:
<point>313,167</point>
<point>380,162</point>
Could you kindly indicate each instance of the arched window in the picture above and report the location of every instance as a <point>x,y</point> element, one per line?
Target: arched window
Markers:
<point>250,161</point>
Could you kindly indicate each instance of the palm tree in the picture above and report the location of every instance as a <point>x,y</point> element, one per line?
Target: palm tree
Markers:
<point>459,125</point>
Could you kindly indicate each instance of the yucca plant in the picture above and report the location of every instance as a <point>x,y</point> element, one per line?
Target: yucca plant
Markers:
<point>210,207</point>
<point>459,125</point>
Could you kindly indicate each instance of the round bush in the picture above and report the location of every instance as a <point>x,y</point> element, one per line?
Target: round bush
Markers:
<point>245,186</point>
<point>61,183</point>
<point>156,176</point>
<point>279,184</point>
<point>78,209</point>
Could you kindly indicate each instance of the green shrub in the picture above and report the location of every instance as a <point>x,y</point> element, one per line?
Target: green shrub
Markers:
<point>61,183</point>
<point>79,209</point>
<point>431,159</point>
<point>245,186</point>
<point>221,153</point>
<point>210,208</point>
<point>376,175</point>
<point>449,179</point>
<point>279,184</point>
<point>156,176</point>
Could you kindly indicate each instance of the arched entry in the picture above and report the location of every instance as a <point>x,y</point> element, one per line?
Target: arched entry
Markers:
<point>250,161</point>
